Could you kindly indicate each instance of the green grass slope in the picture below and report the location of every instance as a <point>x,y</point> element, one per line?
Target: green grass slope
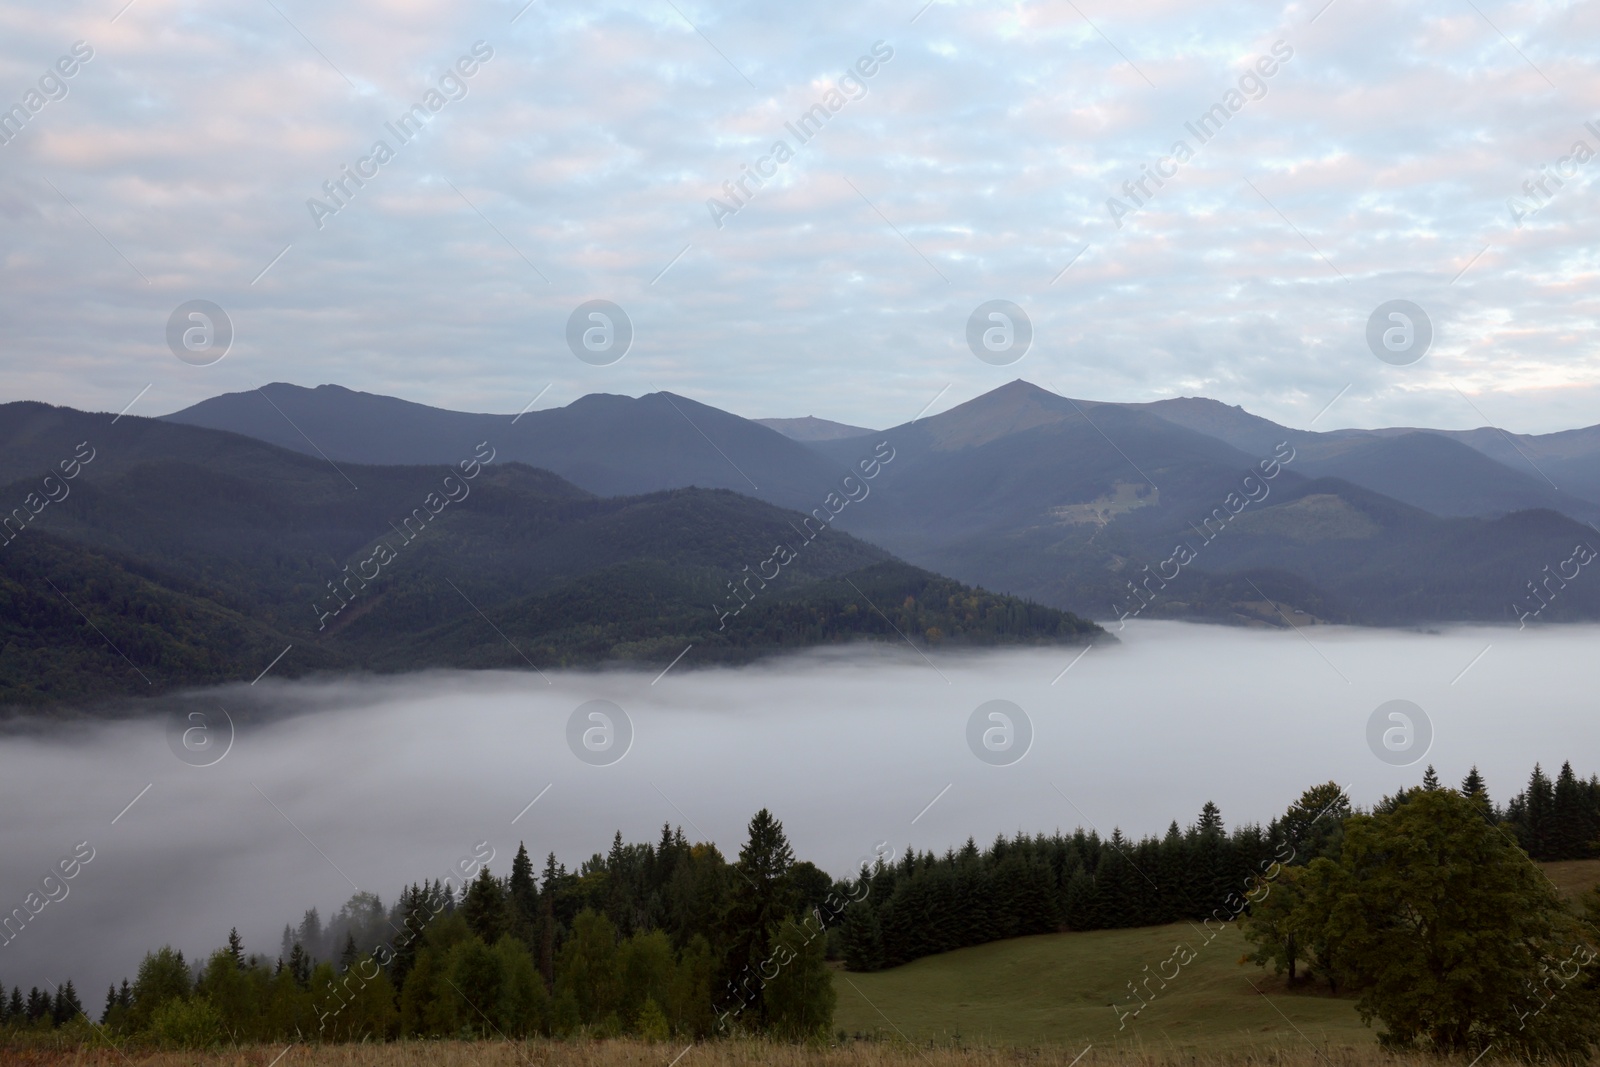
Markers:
<point>1057,989</point>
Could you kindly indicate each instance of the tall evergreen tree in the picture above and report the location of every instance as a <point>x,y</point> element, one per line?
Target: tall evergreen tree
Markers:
<point>348,957</point>
<point>485,908</point>
<point>67,1006</point>
<point>761,899</point>
<point>236,947</point>
<point>524,899</point>
<point>1430,779</point>
<point>310,934</point>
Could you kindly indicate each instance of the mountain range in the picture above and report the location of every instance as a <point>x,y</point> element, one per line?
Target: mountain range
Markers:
<point>145,554</point>
<point>1070,501</point>
<point>372,533</point>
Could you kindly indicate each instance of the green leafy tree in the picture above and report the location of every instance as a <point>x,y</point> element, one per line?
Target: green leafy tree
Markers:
<point>238,996</point>
<point>162,977</point>
<point>688,1003</point>
<point>1444,925</point>
<point>645,969</point>
<point>474,975</point>
<point>586,968</point>
<point>799,992</point>
<point>524,1004</point>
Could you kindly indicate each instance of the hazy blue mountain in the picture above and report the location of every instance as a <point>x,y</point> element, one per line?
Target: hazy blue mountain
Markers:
<point>1068,501</point>
<point>607,444</point>
<point>1448,472</point>
<point>177,555</point>
<point>811,428</point>
<point>1064,500</point>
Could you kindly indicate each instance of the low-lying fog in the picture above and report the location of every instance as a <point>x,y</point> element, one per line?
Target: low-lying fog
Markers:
<point>377,783</point>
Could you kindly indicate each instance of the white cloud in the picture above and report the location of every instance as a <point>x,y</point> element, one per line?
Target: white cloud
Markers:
<point>981,160</point>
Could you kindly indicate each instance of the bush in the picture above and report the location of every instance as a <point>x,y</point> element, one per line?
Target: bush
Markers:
<point>190,1022</point>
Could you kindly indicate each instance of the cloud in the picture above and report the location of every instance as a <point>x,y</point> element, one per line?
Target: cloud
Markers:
<point>1377,165</point>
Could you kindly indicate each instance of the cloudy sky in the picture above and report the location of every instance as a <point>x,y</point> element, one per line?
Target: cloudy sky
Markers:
<point>576,162</point>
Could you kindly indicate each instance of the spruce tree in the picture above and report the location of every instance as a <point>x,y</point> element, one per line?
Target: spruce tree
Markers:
<point>1568,836</point>
<point>348,957</point>
<point>524,899</point>
<point>310,933</point>
<point>236,948</point>
<point>484,907</point>
<point>300,966</point>
<point>67,1006</point>
<point>1430,778</point>
<point>761,899</point>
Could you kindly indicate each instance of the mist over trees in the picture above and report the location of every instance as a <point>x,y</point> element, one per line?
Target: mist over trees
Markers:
<point>1427,909</point>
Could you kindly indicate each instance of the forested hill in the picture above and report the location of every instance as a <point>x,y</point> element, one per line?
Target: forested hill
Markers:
<point>142,555</point>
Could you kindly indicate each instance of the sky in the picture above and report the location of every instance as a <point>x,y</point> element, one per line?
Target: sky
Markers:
<point>368,784</point>
<point>1392,153</point>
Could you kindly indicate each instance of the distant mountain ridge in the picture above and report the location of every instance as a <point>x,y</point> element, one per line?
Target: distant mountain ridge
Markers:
<point>811,428</point>
<point>1073,502</point>
<point>177,555</point>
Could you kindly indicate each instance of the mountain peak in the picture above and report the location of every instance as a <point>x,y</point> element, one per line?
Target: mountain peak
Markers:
<point>1017,405</point>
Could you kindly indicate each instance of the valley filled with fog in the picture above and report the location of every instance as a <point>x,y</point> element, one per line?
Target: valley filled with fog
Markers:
<point>380,781</point>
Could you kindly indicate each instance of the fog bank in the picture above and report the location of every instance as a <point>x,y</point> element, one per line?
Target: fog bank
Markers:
<point>377,783</point>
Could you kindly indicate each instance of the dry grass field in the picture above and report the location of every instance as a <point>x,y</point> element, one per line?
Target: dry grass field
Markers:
<point>713,1054</point>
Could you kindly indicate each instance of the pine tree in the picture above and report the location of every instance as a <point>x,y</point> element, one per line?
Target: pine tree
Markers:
<point>1430,778</point>
<point>1539,815</point>
<point>761,900</point>
<point>38,1005</point>
<point>484,907</point>
<point>300,966</point>
<point>67,1006</point>
<point>310,934</point>
<point>14,1009</point>
<point>236,948</point>
<point>111,1003</point>
<point>348,958</point>
<point>524,899</point>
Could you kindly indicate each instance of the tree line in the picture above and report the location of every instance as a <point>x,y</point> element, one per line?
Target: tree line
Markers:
<point>672,939</point>
<point>653,941</point>
<point>925,903</point>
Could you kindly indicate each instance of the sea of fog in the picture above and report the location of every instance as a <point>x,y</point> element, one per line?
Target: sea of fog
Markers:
<point>372,783</point>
